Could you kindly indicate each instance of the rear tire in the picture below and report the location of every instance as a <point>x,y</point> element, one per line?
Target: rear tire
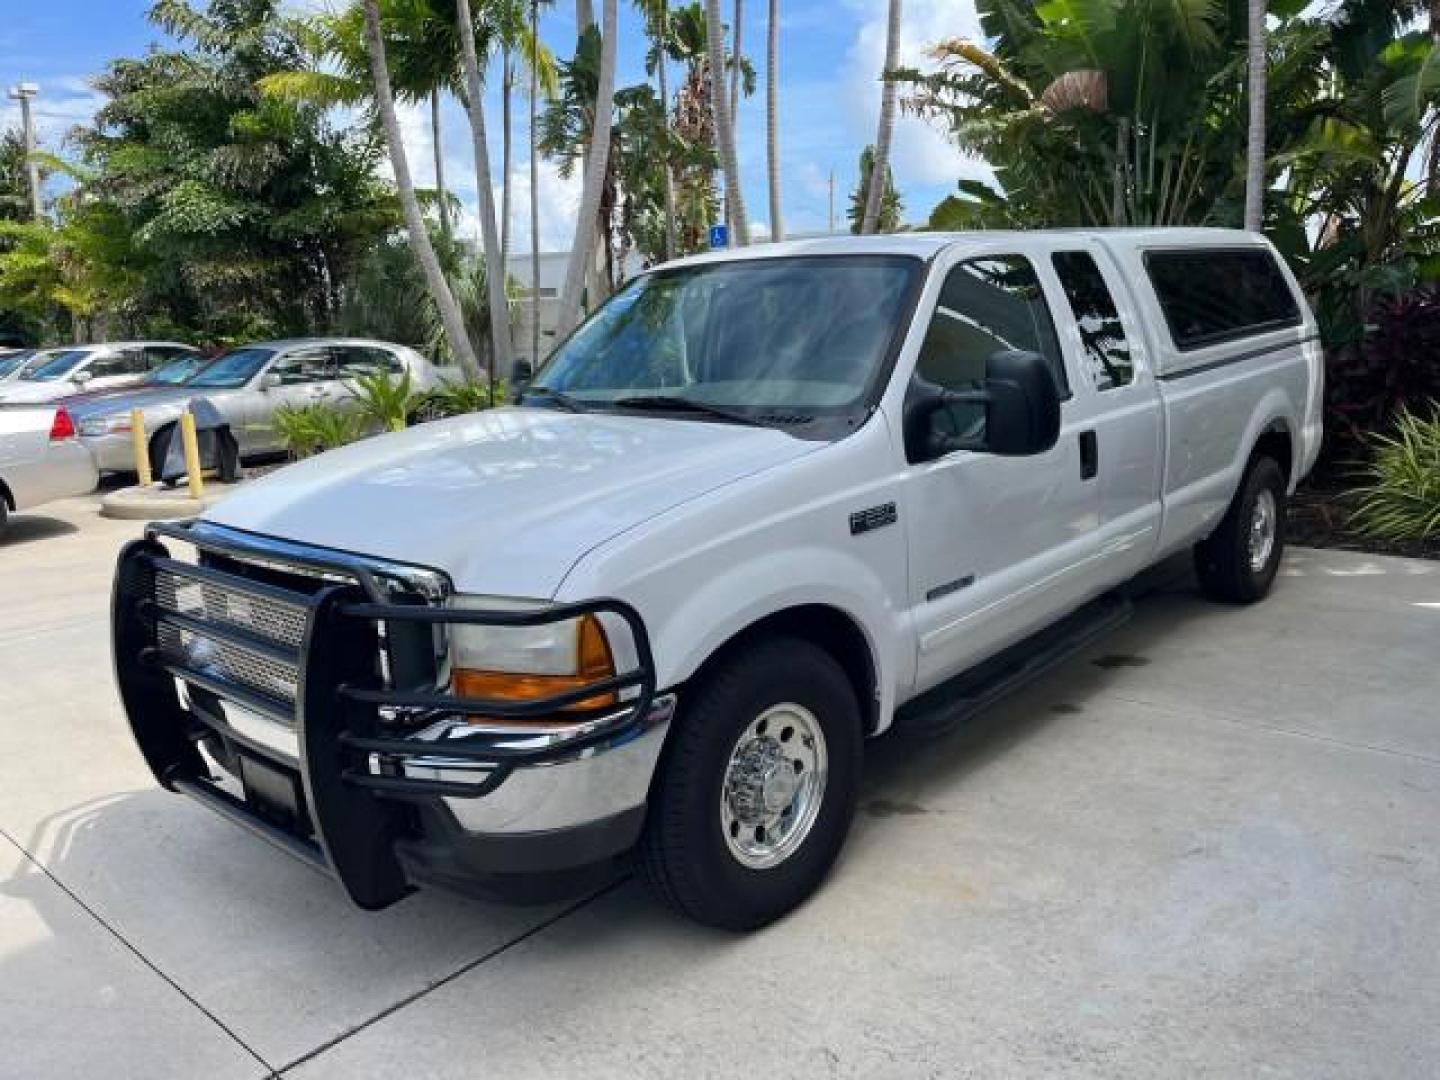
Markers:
<point>4,517</point>
<point>1237,563</point>
<point>758,786</point>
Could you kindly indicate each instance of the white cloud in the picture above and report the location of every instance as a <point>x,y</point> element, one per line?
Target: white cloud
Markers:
<point>920,153</point>
<point>559,204</point>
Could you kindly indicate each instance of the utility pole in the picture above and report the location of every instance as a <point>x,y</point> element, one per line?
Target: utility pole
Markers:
<point>832,201</point>
<point>23,93</point>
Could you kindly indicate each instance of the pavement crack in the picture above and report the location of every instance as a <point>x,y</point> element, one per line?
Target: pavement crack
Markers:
<point>1277,729</point>
<point>445,980</point>
<point>109,929</point>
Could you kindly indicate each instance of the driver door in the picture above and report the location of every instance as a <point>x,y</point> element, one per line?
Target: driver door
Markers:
<point>997,544</point>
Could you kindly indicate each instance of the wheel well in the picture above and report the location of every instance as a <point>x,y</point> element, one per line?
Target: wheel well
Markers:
<point>1275,442</point>
<point>5,495</point>
<point>832,630</point>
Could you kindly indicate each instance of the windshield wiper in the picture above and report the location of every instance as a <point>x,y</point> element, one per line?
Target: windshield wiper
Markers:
<point>565,401</point>
<point>668,403</point>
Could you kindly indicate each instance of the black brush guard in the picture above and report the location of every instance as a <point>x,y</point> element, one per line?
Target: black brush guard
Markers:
<point>355,815</point>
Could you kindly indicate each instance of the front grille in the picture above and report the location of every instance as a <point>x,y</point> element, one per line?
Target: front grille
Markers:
<point>274,620</point>
<point>232,663</point>
<point>270,621</point>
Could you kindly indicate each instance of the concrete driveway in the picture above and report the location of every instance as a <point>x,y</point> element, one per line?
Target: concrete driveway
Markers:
<point>1208,847</point>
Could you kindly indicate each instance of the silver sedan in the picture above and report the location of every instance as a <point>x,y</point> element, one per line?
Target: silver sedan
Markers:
<point>247,385</point>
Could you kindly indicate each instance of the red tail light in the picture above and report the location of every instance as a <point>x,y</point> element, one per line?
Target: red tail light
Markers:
<point>62,427</point>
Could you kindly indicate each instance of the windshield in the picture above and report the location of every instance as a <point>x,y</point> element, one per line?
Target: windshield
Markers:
<point>232,370</point>
<point>12,363</point>
<point>54,365</point>
<point>787,335</point>
<point>175,373</point>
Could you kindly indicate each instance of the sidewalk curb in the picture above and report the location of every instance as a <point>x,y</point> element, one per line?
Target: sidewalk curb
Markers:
<point>157,502</point>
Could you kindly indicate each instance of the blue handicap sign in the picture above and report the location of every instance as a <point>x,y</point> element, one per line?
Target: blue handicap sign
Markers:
<point>719,236</point>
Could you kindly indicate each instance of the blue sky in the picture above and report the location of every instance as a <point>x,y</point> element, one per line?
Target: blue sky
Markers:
<point>831,55</point>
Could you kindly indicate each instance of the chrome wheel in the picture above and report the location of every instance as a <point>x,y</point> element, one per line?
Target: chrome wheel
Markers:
<point>1264,523</point>
<point>774,784</point>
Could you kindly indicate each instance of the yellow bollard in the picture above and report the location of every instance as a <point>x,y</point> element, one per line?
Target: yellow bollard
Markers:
<point>142,449</point>
<point>192,455</point>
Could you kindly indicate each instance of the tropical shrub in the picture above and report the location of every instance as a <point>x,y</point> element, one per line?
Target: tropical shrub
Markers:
<point>1397,366</point>
<point>384,400</point>
<point>310,429</point>
<point>456,399</point>
<point>1400,496</point>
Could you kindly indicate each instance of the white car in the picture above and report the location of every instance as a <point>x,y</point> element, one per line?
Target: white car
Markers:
<point>40,460</point>
<point>762,506</point>
<point>56,373</point>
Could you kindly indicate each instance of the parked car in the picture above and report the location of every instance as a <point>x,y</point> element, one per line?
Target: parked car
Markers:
<point>13,362</point>
<point>761,506</point>
<point>67,369</point>
<point>40,460</point>
<point>248,385</point>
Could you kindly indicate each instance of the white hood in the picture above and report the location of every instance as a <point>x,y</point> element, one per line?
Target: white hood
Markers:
<point>504,501</point>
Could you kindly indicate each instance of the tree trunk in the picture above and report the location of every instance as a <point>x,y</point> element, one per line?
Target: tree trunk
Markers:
<point>881,168</point>
<point>501,352</point>
<point>736,56</point>
<point>450,315</point>
<point>596,163</point>
<point>584,16</point>
<point>1255,142</point>
<point>724,131</point>
<point>437,147</point>
<point>534,192</point>
<point>660,69</point>
<point>507,87</point>
<point>772,118</point>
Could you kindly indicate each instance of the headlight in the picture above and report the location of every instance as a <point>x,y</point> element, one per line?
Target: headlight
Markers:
<point>105,425</point>
<point>528,663</point>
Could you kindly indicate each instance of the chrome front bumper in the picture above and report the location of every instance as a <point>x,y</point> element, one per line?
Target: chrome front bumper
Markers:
<point>295,671</point>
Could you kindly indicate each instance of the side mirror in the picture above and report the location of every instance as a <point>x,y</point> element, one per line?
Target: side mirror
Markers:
<point>1022,410</point>
<point>523,373</point>
<point>80,378</point>
<point>269,381</point>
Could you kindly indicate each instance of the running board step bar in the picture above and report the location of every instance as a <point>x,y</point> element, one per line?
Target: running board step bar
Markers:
<point>958,700</point>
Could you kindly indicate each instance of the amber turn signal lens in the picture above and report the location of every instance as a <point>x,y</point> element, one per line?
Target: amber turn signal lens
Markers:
<point>594,663</point>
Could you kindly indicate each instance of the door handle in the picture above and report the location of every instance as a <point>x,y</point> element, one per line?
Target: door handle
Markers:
<point>1089,455</point>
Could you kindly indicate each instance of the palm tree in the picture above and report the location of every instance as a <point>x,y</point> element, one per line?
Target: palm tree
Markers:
<point>1255,141</point>
<point>657,18</point>
<point>438,149</point>
<point>724,128</point>
<point>419,237</point>
<point>501,354</point>
<point>596,161</point>
<point>735,62</point>
<point>887,123</point>
<point>534,193</point>
<point>772,118</point>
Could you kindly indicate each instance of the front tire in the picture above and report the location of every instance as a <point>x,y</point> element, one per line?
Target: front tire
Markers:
<point>758,787</point>
<point>1237,563</point>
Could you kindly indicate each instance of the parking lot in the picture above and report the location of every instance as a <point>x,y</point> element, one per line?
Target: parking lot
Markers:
<point>1210,846</point>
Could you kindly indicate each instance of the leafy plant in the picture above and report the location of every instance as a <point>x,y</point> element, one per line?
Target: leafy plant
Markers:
<point>311,429</point>
<point>457,399</point>
<point>384,399</point>
<point>1392,369</point>
<point>1401,498</point>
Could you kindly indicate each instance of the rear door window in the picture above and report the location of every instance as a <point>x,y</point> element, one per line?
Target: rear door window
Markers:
<point>1107,352</point>
<point>1211,295</point>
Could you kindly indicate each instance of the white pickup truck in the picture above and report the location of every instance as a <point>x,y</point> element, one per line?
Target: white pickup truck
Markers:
<point>763,505</point>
